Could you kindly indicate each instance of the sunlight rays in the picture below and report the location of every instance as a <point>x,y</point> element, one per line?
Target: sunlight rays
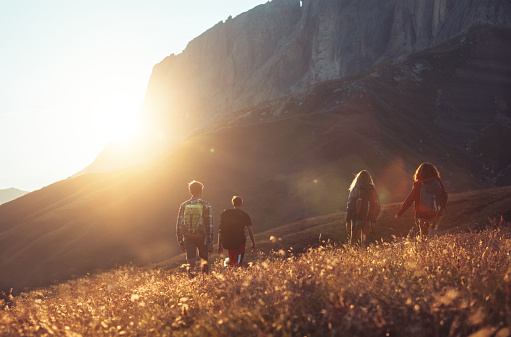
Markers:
<point>115,120</point>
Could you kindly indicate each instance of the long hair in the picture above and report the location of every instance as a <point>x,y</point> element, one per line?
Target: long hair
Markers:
<point>361,177</point>
<point>425,171</point>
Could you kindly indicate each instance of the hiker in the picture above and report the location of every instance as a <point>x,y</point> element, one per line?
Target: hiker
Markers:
<point>231,232</point>
<point>362,209</point>
<point>429,195</point>
<point>194,228</point>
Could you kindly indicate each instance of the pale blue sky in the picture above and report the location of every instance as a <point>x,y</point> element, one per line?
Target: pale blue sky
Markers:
<point>73,75</point>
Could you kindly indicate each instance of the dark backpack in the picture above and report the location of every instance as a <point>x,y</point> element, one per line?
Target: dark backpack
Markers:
<point>367,206</point>
<point>430,199</point>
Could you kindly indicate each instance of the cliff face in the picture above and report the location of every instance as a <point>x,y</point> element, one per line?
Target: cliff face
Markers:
<point>286,45</point>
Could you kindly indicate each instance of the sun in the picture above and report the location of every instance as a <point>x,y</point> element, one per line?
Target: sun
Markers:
<point>116,120</point>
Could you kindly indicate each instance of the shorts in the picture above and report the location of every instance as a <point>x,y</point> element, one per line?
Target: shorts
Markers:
<point>192,245</point>
<point>236,256</point>
<point>360,224</point>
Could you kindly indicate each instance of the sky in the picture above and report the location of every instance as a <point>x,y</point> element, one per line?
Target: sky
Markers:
<point>73,75</point>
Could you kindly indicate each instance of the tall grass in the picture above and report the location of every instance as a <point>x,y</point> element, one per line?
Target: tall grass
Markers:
<point>455,285</point>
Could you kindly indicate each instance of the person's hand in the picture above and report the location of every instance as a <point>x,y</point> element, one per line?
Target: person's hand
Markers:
<point>253,248</point>
<point>220,250</point>
<point>182,246</point>
<point>210,248</point>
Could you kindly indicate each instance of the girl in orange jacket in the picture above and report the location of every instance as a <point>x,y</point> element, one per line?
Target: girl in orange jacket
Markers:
<point>429,195</point>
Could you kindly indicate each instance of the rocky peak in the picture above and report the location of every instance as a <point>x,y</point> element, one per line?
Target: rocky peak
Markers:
<point>285,45</point>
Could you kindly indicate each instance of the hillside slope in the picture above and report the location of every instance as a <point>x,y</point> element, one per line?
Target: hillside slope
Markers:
<point>469,211</point>
<point>456,285</point>
<point>290,159</point>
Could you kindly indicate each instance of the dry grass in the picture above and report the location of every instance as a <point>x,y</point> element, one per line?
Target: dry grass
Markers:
<point>455,285</point>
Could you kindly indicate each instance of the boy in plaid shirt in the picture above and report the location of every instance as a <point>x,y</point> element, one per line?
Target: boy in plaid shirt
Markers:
<point>199,239</point>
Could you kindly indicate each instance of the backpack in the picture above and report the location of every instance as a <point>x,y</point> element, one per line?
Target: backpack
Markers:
<point>194,221</point>
<point>429,199</point>
<point>367,205</point>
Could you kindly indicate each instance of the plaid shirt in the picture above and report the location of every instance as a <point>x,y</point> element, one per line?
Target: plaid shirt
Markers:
<point>207,215</point>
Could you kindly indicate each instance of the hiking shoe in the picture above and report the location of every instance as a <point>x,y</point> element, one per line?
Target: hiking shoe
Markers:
<point>191,274</point>
<point>205,268</point>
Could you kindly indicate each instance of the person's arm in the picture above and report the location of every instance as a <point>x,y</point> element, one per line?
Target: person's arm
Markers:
<point>412,196</point>
<point>378,203</point>
<point>220,248</point>
<point>179,227</point>
<point>350,207</point>
<point>252,238</point>
<point>248,224</point>
<point>443,197</point>
<point>220,229</point>
<point>208,223</point>
<point>209,227</point>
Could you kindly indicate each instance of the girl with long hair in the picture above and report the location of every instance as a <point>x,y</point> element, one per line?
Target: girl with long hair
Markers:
<point>430,198</point>
<point>362,208</point>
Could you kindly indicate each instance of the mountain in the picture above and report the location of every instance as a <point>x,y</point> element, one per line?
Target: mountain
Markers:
<point>281,48</point>
<point>291,156</point>
<point>10,194</point>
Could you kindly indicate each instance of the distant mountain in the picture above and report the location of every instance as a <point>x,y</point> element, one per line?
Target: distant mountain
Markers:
<point>10,194</point>
<point>291,157</point>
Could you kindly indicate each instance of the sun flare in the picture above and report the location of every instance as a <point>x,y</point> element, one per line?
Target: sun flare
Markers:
<point>116,120</point>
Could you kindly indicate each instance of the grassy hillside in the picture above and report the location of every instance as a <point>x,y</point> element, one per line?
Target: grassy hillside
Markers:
<point>290,159</point>
<point>465,212</point>
<point>455,285</point>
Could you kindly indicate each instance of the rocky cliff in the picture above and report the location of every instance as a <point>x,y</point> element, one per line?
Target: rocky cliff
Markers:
<point>284,46</point>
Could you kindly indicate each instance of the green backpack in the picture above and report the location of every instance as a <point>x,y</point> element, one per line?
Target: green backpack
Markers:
<point>194,221</point>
